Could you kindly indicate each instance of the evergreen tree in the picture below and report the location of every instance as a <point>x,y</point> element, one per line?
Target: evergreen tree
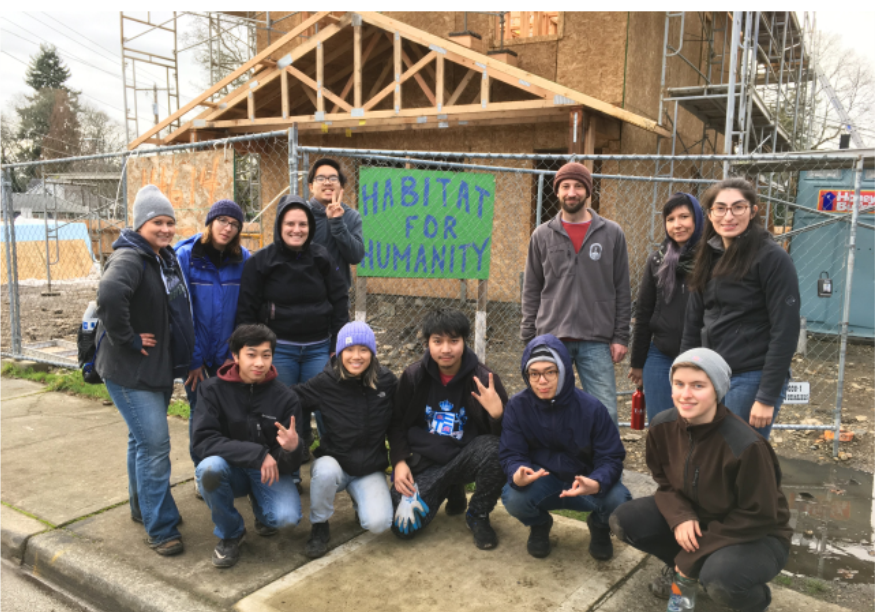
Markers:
<point>46,70</point>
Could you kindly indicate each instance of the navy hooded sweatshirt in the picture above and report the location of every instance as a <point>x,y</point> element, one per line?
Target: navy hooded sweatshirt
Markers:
<point>571,435</point>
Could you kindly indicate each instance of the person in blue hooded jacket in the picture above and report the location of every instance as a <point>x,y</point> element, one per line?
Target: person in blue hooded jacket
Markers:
<point>560,450</point>
<point>662,301</point>
<point>212,264</point>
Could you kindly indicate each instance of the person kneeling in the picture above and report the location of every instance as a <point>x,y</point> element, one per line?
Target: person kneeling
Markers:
<point>719,514</point>
<point>244,428</point>
<point>444,433</point>
<point>560,450</point>
<point>354,394</point>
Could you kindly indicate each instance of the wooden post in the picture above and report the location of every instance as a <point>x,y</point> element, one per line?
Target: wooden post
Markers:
<point>320,77</point>
<point>589,139</point>
<point>484,90</point>
<point>397,42</point>
<point>575,131</point>
<point>357,65</point>
<point>439,82</point>
<point>250,104</point>
<point>463,292</point>
<point>361,298</point>
<point>284,90</point>
<point>480,320</point>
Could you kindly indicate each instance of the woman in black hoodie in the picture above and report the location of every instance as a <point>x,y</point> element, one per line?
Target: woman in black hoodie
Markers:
<point>296,289</point>
<point>744,303</point>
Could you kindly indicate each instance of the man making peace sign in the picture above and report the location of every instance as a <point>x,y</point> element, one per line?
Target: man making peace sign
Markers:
<point>245,429</point>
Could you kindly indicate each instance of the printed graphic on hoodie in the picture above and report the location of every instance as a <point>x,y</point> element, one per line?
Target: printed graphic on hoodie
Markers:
<point>446,422</point>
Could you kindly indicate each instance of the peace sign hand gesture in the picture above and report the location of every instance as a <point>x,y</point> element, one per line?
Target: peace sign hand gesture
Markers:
<point>287,438</point>
<point>488,398</point>
<point>334,209</point>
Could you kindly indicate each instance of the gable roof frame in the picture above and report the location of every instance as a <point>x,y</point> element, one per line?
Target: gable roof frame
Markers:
<point>548,100</point>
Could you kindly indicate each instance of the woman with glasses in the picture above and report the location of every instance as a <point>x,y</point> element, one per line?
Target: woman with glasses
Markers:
<point>662,300</point>
<point>212,263</point>
<point>744,303</point>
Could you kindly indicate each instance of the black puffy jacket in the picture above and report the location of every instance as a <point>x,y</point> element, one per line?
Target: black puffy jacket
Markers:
<point>356,418</point>
<point>301,295</point>
<point>237,421</point>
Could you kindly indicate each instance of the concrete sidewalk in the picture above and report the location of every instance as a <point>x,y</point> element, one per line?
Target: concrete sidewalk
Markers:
<point>65,517</point>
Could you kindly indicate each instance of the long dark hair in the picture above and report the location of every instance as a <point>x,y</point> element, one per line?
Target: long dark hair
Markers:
<point>232,247</point>
<point>369,377</point>
<point>674,256</point>
<point>739,257</point>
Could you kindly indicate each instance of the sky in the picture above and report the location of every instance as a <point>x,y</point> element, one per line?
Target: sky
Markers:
<point>89,43</point>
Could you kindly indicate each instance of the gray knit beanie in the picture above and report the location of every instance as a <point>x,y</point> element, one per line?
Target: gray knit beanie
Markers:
<point>711,364</point>
<point>151,203</point>
<point>544,353</point>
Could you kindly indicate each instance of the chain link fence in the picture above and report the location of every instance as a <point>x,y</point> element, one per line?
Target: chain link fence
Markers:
<point>53,255</point>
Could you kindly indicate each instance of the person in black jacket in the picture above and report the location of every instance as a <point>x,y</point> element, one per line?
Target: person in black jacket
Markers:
<point>744,303</point>
<point>298,291</point>
<point>245,430</point>
<point>445,429</point>
<point>662,300</point>
<point>354,394</point>
<point>146,340</point>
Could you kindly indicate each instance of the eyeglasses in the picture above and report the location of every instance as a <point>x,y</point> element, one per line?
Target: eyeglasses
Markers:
<point>225,222</point>
<point>549,375</point>
<point>737,210</point>
<point>331,180</point>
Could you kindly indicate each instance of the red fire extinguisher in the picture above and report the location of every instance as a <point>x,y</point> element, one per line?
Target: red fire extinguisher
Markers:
<point>639,409</point>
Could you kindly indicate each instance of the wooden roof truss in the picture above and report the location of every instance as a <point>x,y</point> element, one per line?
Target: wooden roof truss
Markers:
<point>368,72</point>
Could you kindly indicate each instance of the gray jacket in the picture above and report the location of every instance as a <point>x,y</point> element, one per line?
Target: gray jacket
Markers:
<point>342,237</point>
<point>583,295</point>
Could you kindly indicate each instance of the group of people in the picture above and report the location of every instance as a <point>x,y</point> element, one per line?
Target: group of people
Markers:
<point>263,341</point>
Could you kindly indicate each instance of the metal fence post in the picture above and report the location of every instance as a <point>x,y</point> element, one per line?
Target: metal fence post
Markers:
<point>293,159</point>
<point>11,263</point>
<point>125,190</point>
<point>540,200</point>
<point>305,187</point>
<point>846,305</point>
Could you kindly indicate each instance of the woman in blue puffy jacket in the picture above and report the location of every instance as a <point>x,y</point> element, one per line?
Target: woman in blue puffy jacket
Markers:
<point>212,263</point>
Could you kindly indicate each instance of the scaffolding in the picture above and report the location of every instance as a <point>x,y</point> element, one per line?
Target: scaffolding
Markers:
<point>755,81</point>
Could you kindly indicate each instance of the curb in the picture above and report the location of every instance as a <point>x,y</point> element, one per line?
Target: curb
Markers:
<point>16,531</point>
<point>76,565</point>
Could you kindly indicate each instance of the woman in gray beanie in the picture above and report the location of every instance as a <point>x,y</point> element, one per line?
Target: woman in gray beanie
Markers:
<point>145,314</point>
<point>718,517</point>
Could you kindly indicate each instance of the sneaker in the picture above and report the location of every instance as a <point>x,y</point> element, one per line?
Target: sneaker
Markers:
<point>317,545</point>
<point>600,546</point>
<point>661,585</point>
<point>457,501</point>
<point>197,491</point>
<point>227,552</point>
<point>539,539</point>
<point>484,535</point>
<point>168,549</point>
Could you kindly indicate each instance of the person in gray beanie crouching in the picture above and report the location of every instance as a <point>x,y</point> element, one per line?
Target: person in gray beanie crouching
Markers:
<point>145,340</point>
<point>719,517</point>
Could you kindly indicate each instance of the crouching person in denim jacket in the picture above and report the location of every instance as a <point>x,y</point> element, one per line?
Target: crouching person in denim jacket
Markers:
<point>245,431</point>
<point>560,451</point>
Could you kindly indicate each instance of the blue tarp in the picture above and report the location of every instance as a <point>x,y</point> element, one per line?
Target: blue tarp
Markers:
<point>27,230</point>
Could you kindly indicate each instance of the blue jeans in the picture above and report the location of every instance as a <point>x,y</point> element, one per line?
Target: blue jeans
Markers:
<point>370,494</point>
<point>657,386</point>
<point>742,395</point>
<point>296,365</point>
<point>596,372</point>
<point>192,403</point>
<point>532,504</point>
<point>145,413</point>
<point>277,506</point>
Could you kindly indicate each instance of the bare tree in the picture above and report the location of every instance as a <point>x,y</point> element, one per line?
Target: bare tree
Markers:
<point>223,44</point>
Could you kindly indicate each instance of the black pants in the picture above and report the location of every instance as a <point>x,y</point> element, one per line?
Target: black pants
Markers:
<point>477,463</point>
<point>734,576</point>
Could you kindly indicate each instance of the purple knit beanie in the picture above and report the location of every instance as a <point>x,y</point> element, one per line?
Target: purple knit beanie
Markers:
<point>354,333</point>
<point>225,208</point>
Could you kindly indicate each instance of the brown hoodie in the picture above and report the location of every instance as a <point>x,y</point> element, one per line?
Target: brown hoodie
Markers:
<point>722,474</point>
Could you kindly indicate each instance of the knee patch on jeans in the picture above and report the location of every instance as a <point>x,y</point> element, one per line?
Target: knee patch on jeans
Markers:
<point>211,480</point>
<point>721,594</point>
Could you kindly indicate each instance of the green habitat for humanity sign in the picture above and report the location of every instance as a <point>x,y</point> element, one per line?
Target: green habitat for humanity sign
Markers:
<point>424,224</point>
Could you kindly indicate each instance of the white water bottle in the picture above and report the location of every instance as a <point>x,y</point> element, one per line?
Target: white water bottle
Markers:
<point>89,319</point>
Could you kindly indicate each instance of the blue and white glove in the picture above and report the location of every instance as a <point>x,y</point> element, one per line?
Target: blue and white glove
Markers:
<point>410,512</point>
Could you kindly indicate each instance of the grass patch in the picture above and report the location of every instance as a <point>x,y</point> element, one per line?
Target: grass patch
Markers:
<point>572,514</point>
<point>814,586</point>
<point>179,408</point>
<point>783,580</point>
<point>68,382</point>
<point>29,515</point>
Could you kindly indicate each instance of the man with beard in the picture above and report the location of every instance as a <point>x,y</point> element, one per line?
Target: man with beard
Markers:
<point>576,286</point>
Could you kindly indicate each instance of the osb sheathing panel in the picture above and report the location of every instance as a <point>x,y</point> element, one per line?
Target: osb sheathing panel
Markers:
<point>538,58</point>
<point>191,181</point>
<point>591,54</point>
<point>439,23</point>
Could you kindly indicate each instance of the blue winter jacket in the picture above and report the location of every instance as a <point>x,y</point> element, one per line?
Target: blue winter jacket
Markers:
<point>570,435</point>
<point>213,300</point>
